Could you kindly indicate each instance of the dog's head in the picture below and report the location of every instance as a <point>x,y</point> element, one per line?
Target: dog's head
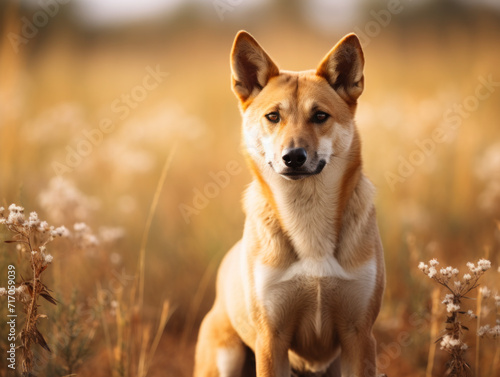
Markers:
<point>297,122</point>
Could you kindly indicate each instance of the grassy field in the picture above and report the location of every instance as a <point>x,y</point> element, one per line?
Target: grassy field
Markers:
<point>91,119</point>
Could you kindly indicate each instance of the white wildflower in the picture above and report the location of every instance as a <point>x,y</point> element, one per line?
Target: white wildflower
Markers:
<point>471,266</point>
<point>21,248</point>
<point>80,227</point>
<point>447,272</point>
<point>485,292</point>
<point>433,262</point>
<point>61,200</point>
<point>448,299</point>
<point>3,291</point>
<point>483,330</point>
<point>92,240</point>
<point>48,258</point>
<point>494,331</point>
<point>2,209</point>
<point>22,293</point>
<point>458,284</point>
<point>484,264</point>
<point>33,220</point>
<point>43,227</point>
<point>16,215</point>
<point>14,208</point>
<point>83,235</point>
<point>448,343</point>
<point>432,272</point>
<point>60,231</point>
<point>464,347</point>
<point>423,267</point>
<point>451,307</point>
<point>445,342</point>
<point>455,272</point>
<point>111,234</point>
<point>467,277</point>
<point>20,289</point>
<point>471,314</point>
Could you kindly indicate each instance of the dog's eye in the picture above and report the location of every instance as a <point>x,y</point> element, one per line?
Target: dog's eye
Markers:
<point>319,117</point>
<point>273,117</point>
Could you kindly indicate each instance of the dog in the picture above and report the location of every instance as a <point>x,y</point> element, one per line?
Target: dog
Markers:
<point>300,292</point>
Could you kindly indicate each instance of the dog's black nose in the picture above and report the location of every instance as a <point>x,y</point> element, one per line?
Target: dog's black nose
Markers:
<point>294,157</point>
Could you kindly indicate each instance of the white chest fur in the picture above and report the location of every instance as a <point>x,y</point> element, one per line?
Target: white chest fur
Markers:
<point>267,279</point>
<point>307,212</point>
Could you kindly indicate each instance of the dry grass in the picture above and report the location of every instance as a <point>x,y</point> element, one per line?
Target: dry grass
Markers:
<point>65,81</point>
<point>452,339</point>
<point>32,237</point>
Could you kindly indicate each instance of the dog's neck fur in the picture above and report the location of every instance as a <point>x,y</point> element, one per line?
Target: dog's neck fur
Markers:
<point>316,214</point>
<point>307,210</point>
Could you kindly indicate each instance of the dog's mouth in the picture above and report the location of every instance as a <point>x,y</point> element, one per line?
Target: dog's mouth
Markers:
<point>296,174</point>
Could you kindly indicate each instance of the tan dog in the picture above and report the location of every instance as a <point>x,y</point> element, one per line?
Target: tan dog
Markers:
<point>303,287</point>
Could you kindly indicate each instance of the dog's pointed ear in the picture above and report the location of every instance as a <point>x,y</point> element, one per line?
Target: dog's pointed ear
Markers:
<point>343,66</point>
<point>251,67</point>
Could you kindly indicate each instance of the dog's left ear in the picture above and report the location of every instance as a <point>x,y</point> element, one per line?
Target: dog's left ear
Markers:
<point>251,66</point>
<point>343,66</point>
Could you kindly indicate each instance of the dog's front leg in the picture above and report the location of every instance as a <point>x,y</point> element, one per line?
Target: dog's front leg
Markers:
<point>358,357</point>
<point>271,356</point>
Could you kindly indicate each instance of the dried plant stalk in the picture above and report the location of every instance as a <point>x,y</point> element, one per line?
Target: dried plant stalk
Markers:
<point>31,237</point>
<point>452,340</point>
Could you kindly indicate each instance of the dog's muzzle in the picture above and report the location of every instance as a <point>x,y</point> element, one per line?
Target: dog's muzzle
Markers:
<point>295,160</point>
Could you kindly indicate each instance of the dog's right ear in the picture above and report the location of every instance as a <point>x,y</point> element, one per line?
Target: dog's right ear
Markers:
<point>251,67</point>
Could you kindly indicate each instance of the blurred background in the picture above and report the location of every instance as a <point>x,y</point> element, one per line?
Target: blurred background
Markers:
<point>95,95</point>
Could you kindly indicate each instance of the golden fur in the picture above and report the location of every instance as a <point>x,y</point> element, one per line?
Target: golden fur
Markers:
<point>303,286</point>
